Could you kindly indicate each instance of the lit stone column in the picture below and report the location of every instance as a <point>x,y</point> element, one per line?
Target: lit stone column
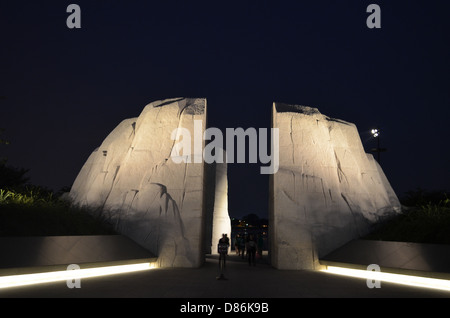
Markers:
<point>221,220</point>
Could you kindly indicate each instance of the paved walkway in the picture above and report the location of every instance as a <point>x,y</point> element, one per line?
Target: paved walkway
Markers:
<point>243,281</point>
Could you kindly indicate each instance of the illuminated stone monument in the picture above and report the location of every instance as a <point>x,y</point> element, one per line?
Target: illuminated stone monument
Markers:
<point>149,179</point>
<point>132,179</point>
<point>327,190</point>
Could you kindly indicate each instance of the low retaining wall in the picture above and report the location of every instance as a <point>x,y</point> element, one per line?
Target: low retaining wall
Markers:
<point>431,260</point>
<point>37,254</point>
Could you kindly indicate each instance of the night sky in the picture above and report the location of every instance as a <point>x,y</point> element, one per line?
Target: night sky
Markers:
<point>63,90</point>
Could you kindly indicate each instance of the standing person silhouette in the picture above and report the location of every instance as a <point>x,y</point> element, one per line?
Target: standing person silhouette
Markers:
<point>222,249</point>
<point>237,245</point>
<point>260,244</point>
<point>251,250</point>
<point>242,245</point>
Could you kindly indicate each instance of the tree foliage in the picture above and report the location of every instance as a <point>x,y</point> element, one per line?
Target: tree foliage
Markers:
<point>10,177</point>
<point>421,197</point>
<point>2,140</point>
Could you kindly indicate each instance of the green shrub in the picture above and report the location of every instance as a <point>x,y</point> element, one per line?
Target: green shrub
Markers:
<point>425,223</point>
<point>37,212</point>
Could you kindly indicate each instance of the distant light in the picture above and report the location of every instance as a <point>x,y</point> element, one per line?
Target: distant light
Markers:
<point>39,278</point>
<point>415,281</point>
<point>375,132</point>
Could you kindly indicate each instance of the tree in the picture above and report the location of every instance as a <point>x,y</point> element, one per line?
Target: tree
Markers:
<point>421,197</point>
<point>3,141</point>
<point>252,219</point>
<point>11,177</point>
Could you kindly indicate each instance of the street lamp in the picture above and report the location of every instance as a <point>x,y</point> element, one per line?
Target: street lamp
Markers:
<point>376,134</point>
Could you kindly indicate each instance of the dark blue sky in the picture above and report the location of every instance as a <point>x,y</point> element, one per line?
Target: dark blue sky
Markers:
<point>66,89</point>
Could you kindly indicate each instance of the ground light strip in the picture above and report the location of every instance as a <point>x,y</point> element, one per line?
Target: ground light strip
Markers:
<point>39,278</point>
<point>416,281</point>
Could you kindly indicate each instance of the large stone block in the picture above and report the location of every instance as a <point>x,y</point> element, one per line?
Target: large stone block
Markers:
<point>132,179</point>
<point>327,190</point>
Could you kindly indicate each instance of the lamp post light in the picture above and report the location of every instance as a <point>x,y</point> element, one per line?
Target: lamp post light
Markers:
<point>376,134</point>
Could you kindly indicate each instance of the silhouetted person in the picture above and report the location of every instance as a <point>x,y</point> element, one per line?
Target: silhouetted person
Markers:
<point>222,249</point>
<point>242,246</point>
<point>260,245</point>
<point>251,250</point>
<point>237,246</point>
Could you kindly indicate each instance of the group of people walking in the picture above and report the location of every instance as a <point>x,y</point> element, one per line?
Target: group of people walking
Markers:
<point>249,246</point>
<point>243,245</point>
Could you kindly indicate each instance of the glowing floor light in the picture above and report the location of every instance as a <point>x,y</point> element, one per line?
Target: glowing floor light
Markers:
<point>39,278</point>
<point>416,281</point>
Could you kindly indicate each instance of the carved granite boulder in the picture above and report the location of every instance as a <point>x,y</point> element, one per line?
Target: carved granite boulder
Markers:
<point>327,190</point>
<point>132,179</point>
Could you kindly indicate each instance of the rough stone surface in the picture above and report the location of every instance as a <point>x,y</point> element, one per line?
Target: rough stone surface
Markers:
<point>216,201</point>
<point>133,180</point>
<point>327,190</point>
<point>221,223</point>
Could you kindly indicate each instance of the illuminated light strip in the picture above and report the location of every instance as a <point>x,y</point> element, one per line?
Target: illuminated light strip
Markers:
<point>416,281</point>
<point>39,278</point>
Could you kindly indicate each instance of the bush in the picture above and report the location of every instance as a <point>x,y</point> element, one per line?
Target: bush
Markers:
<point>28,195</point>
<point>422,223</point>
<point>37,212</point>
<point>421,197</point>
